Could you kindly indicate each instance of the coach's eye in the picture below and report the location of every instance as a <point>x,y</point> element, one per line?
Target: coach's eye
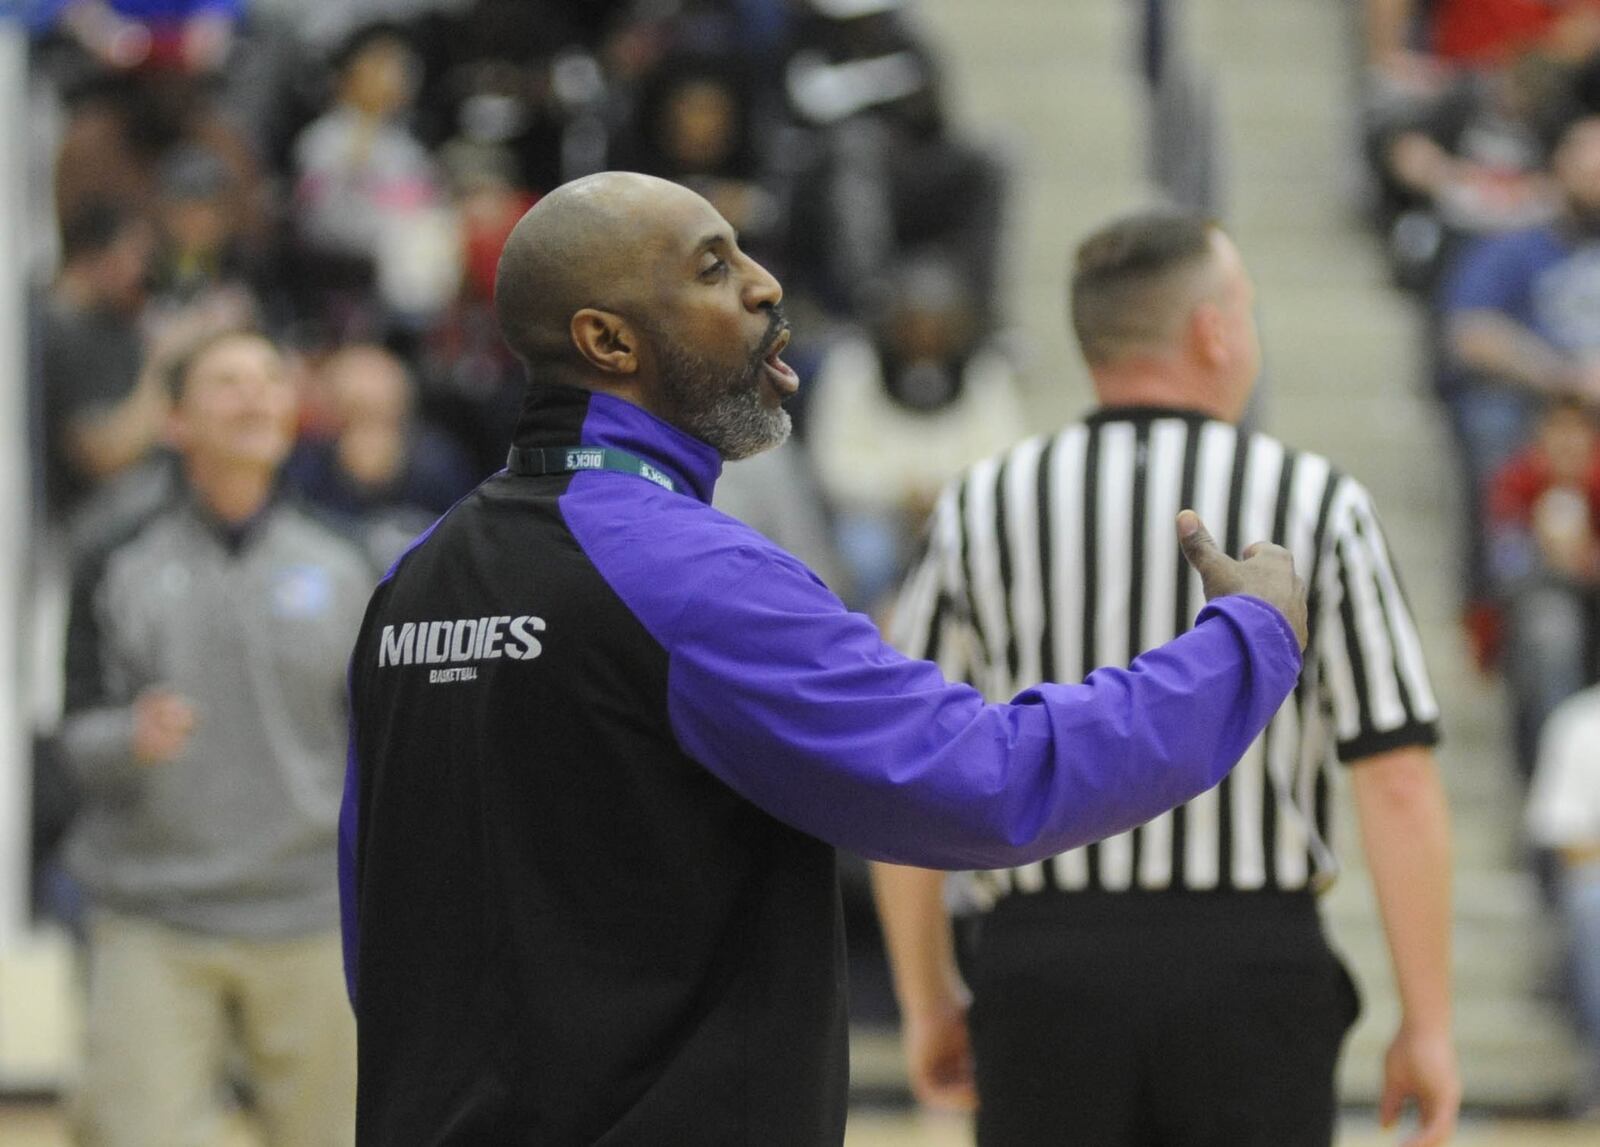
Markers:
<point>714,269</point>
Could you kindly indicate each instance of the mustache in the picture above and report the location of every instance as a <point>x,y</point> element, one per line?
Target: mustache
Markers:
<point>777,324</point>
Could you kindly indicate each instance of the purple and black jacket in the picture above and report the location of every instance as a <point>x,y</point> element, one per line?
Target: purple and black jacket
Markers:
<point>605,740</point>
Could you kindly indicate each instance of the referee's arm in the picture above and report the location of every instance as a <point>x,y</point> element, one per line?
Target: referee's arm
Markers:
<point>1405,832</point>
<point>1382,703</point>
<point>931,621</point>
<point>928,987</point>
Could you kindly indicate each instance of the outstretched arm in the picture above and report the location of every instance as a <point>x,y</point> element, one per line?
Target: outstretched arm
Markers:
<point>802,709</point>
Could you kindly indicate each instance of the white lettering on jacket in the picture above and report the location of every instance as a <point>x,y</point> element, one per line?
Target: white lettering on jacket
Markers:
<point>457,642</point>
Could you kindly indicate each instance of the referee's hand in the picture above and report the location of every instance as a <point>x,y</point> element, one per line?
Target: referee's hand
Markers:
<point>1267,572</point>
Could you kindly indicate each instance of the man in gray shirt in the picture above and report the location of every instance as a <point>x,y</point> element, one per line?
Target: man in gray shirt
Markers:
<point>206,729</point>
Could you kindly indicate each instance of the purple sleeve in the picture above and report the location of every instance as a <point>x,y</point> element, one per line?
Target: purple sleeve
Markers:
<point>800,707</point>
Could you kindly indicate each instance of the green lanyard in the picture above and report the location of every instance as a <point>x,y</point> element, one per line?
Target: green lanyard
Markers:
<point>534,461</point>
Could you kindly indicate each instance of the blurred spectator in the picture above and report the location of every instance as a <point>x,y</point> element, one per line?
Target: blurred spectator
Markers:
<point>854,56</point>
<point>897,413</point>
<point>1544,531</point>
<point>205,728</point>
<point>483,183</point>
<point>381,471</point>
<point>696,123</point>
<point>187,35</point>
<point>236,65</point>
<point>320,26</point>
<point>100,415</point>
<point>890,178</point>
<point>1411,41</point>
<point>1468,162</point>
<point>201,257</point>
<point>1487,82</point>
<point>153,72</point>
<point>758,31</point>
<point>635,36</point>
<point>776,493</point>
<point>366,190</point>
<point>513,75</point>
<point>472,385</point>
<point>1521,318</point>
<point>1564,815</point>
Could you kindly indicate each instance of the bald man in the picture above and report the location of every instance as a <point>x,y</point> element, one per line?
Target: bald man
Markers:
<point>605,738</point>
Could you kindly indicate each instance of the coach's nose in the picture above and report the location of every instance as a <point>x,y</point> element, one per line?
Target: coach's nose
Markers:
<point>761,288</point>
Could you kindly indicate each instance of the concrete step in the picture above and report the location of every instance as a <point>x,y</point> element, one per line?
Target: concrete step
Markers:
<point>1485,965</point>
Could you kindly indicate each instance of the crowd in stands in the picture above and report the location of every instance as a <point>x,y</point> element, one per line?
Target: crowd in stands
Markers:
<point>342,176</point>
<point>1483,126</point>
<point>339,177</point>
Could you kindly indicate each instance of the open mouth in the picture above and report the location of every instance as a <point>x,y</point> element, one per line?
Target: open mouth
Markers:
<point>779,373</point>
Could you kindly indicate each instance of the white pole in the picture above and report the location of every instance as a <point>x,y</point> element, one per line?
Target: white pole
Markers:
<point>15,516</point>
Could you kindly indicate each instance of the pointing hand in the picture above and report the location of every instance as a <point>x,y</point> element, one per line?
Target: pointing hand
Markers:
<point>1267,572</point>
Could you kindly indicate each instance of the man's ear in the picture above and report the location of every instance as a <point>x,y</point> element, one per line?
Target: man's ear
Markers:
<point>606,341</point>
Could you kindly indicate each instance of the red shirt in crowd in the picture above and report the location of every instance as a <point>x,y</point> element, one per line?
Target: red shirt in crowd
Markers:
<point>1488,31</point>
<point>1517,487</point>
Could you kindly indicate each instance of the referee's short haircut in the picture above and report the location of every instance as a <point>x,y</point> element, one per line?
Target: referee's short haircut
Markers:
<point>1135,280</point>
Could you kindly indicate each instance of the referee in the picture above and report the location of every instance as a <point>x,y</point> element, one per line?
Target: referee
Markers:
<point>1172,985</point>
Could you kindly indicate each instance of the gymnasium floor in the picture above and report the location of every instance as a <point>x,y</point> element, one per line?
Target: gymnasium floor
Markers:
<point>34,1126</point>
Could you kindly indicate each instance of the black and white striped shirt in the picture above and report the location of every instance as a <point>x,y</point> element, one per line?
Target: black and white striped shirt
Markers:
<point>1061,556</point>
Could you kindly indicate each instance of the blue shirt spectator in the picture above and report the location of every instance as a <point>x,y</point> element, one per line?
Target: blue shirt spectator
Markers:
<point>1545,278</point>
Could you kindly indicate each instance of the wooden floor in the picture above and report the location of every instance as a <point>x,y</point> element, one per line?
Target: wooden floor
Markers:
<point>42,1126</point>
<point>882,1130</point>
<point>877,1130</point>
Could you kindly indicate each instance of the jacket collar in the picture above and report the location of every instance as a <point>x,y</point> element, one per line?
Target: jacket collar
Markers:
<point>554,415</point>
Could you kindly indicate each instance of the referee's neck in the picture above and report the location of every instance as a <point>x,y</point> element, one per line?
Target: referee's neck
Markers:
<point>1163,384</point>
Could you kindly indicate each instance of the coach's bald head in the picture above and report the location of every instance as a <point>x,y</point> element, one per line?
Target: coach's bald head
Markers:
<point>572,251</point>
<point>635,286</point>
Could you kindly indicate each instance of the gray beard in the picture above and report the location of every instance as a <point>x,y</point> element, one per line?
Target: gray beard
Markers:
<point>719,406</point>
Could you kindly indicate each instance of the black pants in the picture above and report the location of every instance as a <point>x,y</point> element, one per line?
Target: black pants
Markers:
<point>1157,1020</point>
